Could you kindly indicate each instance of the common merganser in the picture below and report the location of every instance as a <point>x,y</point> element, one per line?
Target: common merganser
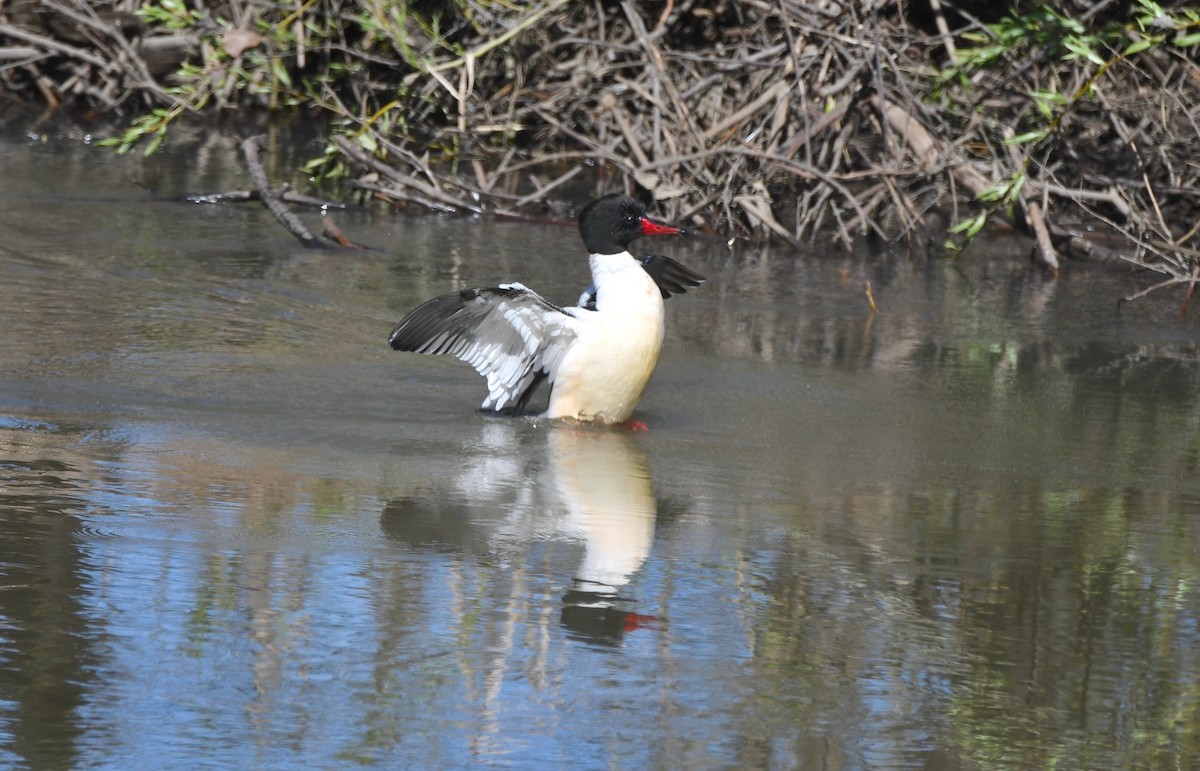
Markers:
<point>598,356</point>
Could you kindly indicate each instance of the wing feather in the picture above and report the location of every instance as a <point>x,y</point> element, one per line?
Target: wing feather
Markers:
<point>670,276</point>
<point>510,334</point>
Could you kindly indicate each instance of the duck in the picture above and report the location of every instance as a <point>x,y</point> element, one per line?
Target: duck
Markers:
<point>597,356</point>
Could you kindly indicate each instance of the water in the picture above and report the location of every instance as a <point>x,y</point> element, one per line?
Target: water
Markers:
<point>237,531</point>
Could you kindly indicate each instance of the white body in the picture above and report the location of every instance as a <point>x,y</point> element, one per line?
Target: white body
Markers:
<point>602,375</point>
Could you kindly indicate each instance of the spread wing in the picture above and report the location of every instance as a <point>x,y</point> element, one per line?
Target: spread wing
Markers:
<point>510,334</point>
<point>670,276</point>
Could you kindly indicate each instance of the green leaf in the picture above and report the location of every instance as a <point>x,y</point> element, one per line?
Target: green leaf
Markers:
<point>281,72</point>
<point>1137,46</point>
<point>1048,96</point>
<point>1047,102</point>
<point>972,226</point>
<point>1081,50</point>
<point>1014,188</point>
<point>366,141</point>
<point>1187,41</point>
<point>994,193</point>
<point>153,144</point>
<point>1026,138</point>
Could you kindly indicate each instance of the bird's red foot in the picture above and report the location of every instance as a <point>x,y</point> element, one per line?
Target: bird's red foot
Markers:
<point>635,426</point>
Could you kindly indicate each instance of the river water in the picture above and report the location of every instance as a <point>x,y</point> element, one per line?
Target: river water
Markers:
<point>236,531</point>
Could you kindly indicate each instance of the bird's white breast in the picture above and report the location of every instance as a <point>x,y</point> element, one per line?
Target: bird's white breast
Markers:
<point>604,373</point>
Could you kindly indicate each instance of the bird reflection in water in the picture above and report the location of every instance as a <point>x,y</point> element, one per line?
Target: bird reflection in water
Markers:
<point>593,488</point>
<point>603,483</point>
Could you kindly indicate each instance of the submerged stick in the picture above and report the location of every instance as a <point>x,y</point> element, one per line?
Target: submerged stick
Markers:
<point>1045,249</point>
<point>334,233</point>
<point>242,196</point>
<point>271,199</point>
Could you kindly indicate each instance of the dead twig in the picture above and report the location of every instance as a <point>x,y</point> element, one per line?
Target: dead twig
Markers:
<point>50,44</point>
<point>426,191</point>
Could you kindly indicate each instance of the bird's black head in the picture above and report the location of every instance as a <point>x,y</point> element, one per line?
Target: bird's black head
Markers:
<point>608,224</point>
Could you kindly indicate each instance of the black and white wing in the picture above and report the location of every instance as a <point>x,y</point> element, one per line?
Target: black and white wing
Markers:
<point>510,334</point>
<point>670,276</point>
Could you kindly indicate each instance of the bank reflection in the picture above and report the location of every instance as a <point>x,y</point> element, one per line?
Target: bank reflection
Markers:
<point>586,486</point>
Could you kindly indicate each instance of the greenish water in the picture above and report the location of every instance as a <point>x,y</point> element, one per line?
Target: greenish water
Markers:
<point>236,531</point>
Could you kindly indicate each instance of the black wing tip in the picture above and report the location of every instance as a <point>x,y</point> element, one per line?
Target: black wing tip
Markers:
<point>429,319</point>
<point>670,276</point>
<point>401,337</point>
<point>407,340</point>
<point>397,343</point>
